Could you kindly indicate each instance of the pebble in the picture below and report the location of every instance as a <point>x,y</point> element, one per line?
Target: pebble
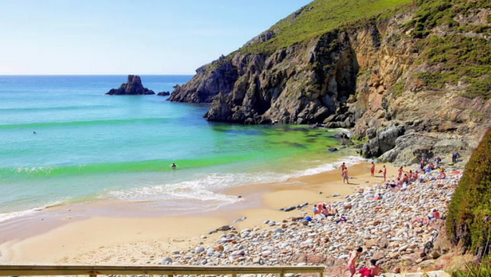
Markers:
<point>382,227</point>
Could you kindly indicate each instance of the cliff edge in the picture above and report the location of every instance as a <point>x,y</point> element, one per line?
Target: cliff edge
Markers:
<point>409,78</point>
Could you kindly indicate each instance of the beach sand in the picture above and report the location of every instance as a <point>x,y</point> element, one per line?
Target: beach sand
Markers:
<point>127,235</point>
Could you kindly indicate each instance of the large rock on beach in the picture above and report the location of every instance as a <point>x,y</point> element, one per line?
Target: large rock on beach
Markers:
<point>133,86</point>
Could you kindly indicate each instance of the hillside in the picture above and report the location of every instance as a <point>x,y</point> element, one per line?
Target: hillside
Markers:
<point>412,79</point>
<point>469,217</point>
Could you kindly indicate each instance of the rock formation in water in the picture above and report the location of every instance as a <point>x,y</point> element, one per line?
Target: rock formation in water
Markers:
<point>411,83</point>
<point>163,93</point>
<point>134,86</point>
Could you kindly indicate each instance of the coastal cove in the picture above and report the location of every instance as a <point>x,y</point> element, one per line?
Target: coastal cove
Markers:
<point>77,155</point>
<point>74,144</point>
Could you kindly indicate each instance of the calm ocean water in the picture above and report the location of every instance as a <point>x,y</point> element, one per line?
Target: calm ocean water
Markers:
<point>63,141</point>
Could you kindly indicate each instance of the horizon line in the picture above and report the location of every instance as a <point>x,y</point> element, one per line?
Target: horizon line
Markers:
<point>116,74</point>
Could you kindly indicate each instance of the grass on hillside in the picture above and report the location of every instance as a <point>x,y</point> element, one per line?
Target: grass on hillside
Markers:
<point>322,16</point>
<point>459,56</point>
<point>474,270</point>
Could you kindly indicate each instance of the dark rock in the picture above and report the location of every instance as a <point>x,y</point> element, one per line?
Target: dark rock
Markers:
<point>259,88</point>
<point>134,86</point>
<point>225,228</point>
<point>381,140</point>
<point>163,93</point>
<point>302,205</point>
<point>289,209</point>
<point>332,149</point>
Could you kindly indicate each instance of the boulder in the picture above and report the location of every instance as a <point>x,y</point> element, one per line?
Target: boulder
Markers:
<point>134,86</point>
<point>163,93</point>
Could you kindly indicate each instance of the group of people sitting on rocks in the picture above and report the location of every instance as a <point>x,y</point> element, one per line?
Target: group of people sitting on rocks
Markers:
<point>405,178</point>
<point>325,210</point>
<point>432,219</point>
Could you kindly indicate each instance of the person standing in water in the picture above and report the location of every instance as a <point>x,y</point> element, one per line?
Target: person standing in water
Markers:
<point>174,165</point>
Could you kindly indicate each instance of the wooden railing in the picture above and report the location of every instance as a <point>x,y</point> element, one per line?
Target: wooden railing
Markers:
<point>170,271</point>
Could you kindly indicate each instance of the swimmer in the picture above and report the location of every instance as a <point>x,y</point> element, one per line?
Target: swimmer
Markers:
<point>174,165</point>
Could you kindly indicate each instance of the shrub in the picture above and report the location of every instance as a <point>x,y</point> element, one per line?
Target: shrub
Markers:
<point>469,216</point>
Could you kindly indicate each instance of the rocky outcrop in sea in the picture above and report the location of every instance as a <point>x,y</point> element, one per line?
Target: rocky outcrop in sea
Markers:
<point>133,86</point>
<point>393,230</point>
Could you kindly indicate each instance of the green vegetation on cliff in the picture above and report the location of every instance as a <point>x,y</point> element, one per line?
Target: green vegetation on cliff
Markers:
<point>469,215</point>
<point>460,50</point>
<point>322,16</point>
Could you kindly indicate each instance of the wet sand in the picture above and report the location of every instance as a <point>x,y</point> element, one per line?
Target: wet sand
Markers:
<point>123,233</point>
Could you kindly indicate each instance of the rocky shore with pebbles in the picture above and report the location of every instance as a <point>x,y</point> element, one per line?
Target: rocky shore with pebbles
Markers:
<point>392,230</point>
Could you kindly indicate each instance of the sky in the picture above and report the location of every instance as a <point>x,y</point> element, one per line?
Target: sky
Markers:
<point>65,37</point>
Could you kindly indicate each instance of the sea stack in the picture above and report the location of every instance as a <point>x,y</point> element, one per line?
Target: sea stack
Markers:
<point>132,87</point>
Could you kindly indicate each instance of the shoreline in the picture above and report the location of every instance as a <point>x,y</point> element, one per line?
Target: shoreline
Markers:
<point>75,235</point>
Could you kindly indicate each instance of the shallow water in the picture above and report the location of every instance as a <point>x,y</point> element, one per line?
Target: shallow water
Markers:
<point>64,141</point>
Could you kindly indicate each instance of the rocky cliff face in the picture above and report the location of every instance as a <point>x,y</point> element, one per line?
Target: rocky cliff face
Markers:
<point>369,78</point>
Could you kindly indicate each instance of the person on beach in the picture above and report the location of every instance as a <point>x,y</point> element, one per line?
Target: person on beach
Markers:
<point>438,161</point>
<point>455,156</point>
<point>371,271</point>
<point>316,210</point>
<point>442,173</point>
<point>401,170</point>
<point>352,260</point>
<point>434,215</point>
<point>372,170</point>
<point>375,270</point>
<point>345,175</point>
<point>343,167</point>
<point>384,170</point>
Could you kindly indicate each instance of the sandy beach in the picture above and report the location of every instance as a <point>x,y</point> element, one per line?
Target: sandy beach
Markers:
<point>127,235</point>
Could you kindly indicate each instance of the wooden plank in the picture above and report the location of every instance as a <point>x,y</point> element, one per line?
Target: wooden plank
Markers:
<point>33,270</point>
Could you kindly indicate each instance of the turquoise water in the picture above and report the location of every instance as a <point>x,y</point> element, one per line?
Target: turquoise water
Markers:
<point>63,141</point>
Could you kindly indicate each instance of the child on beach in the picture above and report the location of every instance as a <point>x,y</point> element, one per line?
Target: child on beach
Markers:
<point>372,169</point>
<point>353,258</point>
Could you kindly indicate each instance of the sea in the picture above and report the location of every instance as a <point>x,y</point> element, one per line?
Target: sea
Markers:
<point>64,142</point>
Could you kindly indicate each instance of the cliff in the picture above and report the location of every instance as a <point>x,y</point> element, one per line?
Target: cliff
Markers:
<point>412,79</point>
<point>134,86</point>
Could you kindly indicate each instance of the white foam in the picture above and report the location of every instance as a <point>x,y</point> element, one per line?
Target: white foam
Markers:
<point>12,215</point>
<point>349,161</point>
<point>203,188</point>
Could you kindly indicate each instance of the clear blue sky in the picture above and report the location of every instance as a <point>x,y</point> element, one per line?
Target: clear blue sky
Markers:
<point>128,36</point>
